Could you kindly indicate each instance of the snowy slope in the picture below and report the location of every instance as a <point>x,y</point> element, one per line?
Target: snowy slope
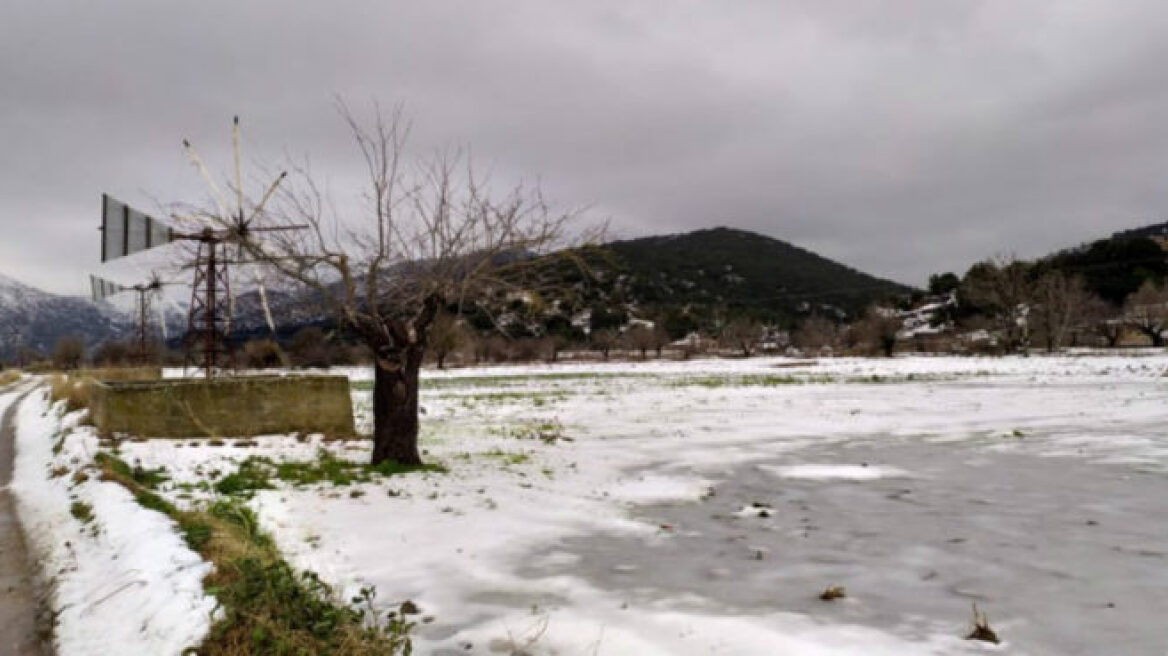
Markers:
<point>33,318</point>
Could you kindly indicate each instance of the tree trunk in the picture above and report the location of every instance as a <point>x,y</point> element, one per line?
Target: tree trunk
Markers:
<point>395,408</point>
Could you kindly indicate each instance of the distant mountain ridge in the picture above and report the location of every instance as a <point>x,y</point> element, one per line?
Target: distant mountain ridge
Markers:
<point>703,274</point>
<point>35,319</point>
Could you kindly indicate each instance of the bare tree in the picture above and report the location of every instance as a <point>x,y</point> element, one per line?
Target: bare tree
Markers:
<point>1103,319</point>
<point>431,233</point>
<point>603,341</point>
<point>1058,303</point>
<point>816,332</point>
<point>68,352</point>
<point>640,338</point>
<point>1146,310</point>
<point>310,348</point>
<point>880,327</point>
<point>743,334</point>
<point>447,335</point>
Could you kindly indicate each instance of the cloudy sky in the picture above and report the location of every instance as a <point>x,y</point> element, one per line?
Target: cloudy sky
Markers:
<point>902,137</point>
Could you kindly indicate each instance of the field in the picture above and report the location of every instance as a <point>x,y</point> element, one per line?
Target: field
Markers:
<point>700,508</point>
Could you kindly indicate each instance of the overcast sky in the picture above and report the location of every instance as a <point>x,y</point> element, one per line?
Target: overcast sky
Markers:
<point>901,137</point>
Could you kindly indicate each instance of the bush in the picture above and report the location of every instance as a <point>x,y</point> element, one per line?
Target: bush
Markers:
<point>263,354</point>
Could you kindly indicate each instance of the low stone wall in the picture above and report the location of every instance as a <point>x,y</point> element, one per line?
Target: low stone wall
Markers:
<point>223,407</point>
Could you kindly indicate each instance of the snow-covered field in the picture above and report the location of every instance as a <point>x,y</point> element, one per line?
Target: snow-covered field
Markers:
<point>701,507</point>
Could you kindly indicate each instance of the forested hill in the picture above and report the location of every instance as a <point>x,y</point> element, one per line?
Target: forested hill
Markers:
<point>1115,267</point>
<point>741,272</point>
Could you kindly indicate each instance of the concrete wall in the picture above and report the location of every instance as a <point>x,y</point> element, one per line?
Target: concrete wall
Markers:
<point>224,407</point>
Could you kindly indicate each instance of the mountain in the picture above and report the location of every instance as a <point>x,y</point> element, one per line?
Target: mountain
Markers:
<point>742,272</point>
<point>31,318</point>
<point>699,276</point>
<point>704,275</point>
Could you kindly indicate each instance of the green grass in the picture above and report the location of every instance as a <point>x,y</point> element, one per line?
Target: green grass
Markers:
<point>265,606</point>
<point>81,511</point>
<point>148,478</point>
<point>258,473</point>
<point>508,458</point>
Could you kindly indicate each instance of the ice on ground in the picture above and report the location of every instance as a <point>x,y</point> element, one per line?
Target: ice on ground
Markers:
<point>509,546</point>
<point>655,488</point>
<point>834,472</point>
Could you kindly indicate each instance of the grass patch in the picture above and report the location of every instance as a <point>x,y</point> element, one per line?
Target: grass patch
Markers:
<point>148,478</point>
<point>508,458</point>
<point>123,373</point>
<point>548,432</point>
<point>152,501</point>
<point>81,511</point>
<point>8,377</point>
<point>268,608</point>
<point>258,472</point>
<point>253,474</point>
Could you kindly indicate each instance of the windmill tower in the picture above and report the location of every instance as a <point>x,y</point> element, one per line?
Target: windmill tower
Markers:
<point>209,323</point>
<point>101,289</point>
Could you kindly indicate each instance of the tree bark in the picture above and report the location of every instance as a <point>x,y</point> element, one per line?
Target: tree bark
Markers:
<point>395,408</point>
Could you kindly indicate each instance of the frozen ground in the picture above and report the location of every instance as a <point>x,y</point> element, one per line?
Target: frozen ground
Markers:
<point>701,507</point>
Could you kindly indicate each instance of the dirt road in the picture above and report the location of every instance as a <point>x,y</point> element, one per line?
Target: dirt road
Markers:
<point>19,634</point>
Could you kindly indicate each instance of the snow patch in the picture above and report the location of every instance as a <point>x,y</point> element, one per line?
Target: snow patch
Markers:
<point>834,472</point>
<point>123,583</point>
<point>657,488</point>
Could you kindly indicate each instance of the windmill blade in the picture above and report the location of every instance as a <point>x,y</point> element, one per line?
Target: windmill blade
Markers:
<point>267,195</point>
<point>101,289</point>
<point>220,199</point>
<point>162,321</point>
<point>259,282</point>
<point>126,231</point>
<point>235,138</point>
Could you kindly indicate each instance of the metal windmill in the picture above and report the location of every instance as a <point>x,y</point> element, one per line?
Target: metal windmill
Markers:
<point>146,293</point>
<point>209,321</point>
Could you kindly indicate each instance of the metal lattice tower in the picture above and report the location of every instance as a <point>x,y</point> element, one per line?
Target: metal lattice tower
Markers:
<point>208,345</point>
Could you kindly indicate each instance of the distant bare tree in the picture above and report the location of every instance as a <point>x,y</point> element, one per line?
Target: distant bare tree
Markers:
<point>113,353</point>
<point>660,339</point>
<point>742,334</point>
<point>1102,319</point>
<point>310,348</point>
<point>880,327</point>
<point>68,352</point>
<point>639,338</point>
<point>603,341</point>
<point>1146,310</point>
<point>1059,302</point>
<point>433,232</point>
<point>816,332</point>
<point>447,335</point>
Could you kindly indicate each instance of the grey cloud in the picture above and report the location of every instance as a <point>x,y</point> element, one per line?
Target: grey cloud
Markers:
<point>902,138</point>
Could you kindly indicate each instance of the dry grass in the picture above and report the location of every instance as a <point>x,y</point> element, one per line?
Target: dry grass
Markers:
<point>122,373</point>
<point>8,377</point>
<point>833,592</point>
<point>981,628</point>
<point>74,390</point>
